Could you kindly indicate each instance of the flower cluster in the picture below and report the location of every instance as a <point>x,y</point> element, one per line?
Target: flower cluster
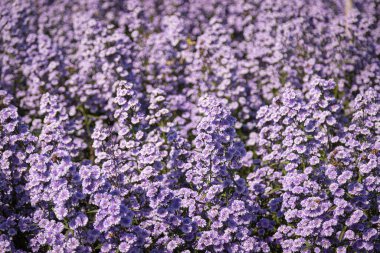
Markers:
<point>189,126</point>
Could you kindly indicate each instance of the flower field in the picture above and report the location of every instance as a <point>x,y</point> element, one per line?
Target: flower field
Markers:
<point>189,126</point>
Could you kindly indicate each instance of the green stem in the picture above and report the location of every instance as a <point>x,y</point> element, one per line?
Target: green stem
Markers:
<point>87,123</point>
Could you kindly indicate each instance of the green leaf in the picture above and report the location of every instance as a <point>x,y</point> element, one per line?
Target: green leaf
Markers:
<point>342,233</point>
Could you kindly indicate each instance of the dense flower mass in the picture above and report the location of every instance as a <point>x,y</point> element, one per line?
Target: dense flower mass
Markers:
<point>189,126</point>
